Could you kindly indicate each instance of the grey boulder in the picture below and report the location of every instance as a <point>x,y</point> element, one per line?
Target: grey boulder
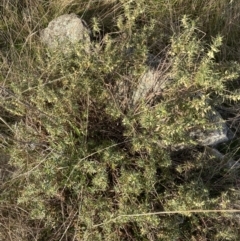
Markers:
<point>215,136</point>
<point>64,31</point>
<point>151,83</point>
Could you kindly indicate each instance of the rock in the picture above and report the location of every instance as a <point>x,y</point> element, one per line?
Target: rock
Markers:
<point>64,31</point>
<point>216,136</point>
<point>153,81</point>
<point>230,162</point>
<point>149,83</point>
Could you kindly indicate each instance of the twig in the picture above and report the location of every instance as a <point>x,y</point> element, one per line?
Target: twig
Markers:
<point>168,212</point>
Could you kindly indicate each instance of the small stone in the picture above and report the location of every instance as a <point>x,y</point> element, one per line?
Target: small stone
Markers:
<point>216,136</point>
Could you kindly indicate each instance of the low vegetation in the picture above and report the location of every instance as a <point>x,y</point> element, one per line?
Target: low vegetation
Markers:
<point>79,161</point>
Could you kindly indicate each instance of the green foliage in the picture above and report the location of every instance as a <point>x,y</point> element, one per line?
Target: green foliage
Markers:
<point>86,166</point>
<point>195,78</point>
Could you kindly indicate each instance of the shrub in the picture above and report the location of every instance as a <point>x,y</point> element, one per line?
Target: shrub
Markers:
<point>87,166</point>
